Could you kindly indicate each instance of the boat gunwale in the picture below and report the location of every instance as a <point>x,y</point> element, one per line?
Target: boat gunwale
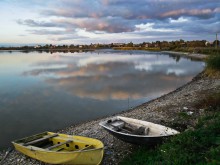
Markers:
<point>69,152</point>
<point>16,142</point>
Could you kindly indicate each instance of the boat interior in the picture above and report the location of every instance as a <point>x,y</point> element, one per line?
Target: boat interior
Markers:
<point>55,142</point>
<point>124,127</point>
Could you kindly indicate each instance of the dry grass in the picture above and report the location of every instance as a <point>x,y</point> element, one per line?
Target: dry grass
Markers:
<point>212,73</point>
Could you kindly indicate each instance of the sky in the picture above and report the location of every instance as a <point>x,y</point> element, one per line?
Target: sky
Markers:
<point>30,22</point>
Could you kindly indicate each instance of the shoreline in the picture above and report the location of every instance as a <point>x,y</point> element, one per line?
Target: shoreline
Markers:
<point>187,54</point>
<point>163,110</point>
<point>72,50</point>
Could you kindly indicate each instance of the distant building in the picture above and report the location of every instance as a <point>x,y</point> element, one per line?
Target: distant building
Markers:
<point>183,45</point>
<point>118,44</point>
<point>207,43</point>
<point>37,46</point>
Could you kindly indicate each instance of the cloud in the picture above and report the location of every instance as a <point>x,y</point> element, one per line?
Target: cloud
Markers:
<point>67,37</point>
<point>111,25</point>
<point>202,13</point>
<point>126,17</point>
<point>47,32</point>
<point>33,23</point>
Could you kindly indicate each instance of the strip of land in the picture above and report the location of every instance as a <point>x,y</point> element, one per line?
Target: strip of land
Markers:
<point>165,110</point>
<point>186,54</point>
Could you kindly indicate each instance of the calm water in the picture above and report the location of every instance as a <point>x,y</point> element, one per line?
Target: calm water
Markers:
<point>43,91</point>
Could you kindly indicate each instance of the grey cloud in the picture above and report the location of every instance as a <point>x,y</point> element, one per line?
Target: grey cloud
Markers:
<point>131,9</point>
<point>141,11</point>
<point>33,23</point>
<point>47,32</point>
<point>67,37</point>
<point>118,16</point>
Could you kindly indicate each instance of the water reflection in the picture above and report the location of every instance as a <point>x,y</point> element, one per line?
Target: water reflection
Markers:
<point>117,76</point>
<point>40,91</point>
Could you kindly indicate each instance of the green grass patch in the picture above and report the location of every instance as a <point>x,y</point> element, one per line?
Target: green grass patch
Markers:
<point>198,146</point>
<point>184,115</point>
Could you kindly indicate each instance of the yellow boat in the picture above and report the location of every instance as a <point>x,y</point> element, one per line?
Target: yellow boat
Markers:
<point>57,148</point>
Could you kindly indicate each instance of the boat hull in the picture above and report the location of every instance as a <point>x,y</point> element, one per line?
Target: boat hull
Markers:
<point>82,157</point>
<point>149,141</point>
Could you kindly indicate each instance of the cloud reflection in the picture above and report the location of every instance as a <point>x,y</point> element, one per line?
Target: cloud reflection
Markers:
<point>105,77</point>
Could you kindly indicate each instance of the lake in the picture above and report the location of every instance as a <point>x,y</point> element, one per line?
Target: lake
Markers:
<point>41,91</point>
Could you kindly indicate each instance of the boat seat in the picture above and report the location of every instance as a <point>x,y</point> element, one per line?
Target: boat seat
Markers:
<point>118,123</point>
<point>41,139</point>
<point>141,131</point>
<point>60,144</point>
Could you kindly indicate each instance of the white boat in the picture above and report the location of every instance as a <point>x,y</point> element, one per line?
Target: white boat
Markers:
<point>137,131</point>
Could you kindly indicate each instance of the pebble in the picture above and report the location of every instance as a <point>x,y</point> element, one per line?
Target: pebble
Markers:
<point>189,113</point>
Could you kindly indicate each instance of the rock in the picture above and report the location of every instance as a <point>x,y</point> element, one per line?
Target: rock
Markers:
<point>189,113</point>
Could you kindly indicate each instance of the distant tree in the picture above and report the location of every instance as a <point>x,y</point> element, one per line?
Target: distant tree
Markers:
<point>214,43</point>
<point>196,44</point>
<point>164,44</point>
<point>111,45</point>
<point>158,44</point>
<point>130,44</point>
<point>182,41</point>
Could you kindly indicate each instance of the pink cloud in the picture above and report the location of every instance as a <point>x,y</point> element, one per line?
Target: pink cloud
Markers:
<point>193,12</point>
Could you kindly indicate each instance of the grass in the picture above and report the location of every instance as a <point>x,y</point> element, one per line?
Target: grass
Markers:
<point>198,146</point>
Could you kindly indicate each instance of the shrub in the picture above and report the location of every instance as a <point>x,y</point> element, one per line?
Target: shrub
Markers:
<point>213,62</point>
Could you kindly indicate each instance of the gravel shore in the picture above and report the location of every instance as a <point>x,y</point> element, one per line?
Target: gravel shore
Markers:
<point>164,110</point>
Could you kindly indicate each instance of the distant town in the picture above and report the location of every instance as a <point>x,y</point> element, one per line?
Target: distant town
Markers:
<point>178,45</point>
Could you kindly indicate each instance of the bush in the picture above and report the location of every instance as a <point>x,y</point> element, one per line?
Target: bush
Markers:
<point>213,62</point>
